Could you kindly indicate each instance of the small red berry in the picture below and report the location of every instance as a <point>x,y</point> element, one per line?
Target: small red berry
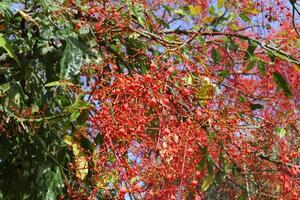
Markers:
<point>98,27</point>
<point>186,92</point>
<point>152,67</point>
<point>190,150</point>
<point>198,174</point>
<point>78,25</point>
<point>148,78</point>
<point>198,113</point>
<point>170,70</point>
<point>194,183</point>
<point>122,130</point>
<point>115,67</point>
<point>188,121</point>
<point>152,102</point>
<point>123,190</point>
<point>167,131</point>
<point>166,101</point>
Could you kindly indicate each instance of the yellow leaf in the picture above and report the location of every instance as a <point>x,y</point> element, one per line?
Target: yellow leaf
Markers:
<point>234,27</point>
<point>297,67</point>
<point>195,10</point>
<point>81,165</point>
<point>220,3</point>
<point>207,182</point>
<point>208,20</point>
<point>252,11</point>
<point>107,178</point>
<point>68,140</point>
<point>27,17</point>
<point>206,92</point>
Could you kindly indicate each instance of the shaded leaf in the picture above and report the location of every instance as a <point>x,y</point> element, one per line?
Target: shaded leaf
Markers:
<point>72,59</point>
<point>251,64</point>
<point>256,106</point>
<point>243,196</point>
<point>224,73</point>
<point>215,55</point>
<point>250,50</point>
<point>232,45</point>
<point>261,67</point>
<point>282,84</point>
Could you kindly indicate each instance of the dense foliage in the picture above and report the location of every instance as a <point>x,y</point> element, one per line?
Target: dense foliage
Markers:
<point>150,99</point>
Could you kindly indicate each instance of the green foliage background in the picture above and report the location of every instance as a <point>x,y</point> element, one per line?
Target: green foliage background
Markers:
<point>37,48</point>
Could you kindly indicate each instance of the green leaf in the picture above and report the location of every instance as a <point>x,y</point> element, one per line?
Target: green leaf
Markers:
<point>216,56</point>
<point>4,88</point>
<point>224,73</point>
<point>162,22</point>
<point>72,59</point>
<point>261,67</point>
<point>137,12</point>
<point>271,56</point>
<point>245,17</point>
<point>243,196</point>
<point>282,84</point>
<point>207,182</point>
<point>183,10</point>
<point>241,99</point>
<point>232,45</point>
<point>202,163</point>
<point>8,48</point>
<point>210,166</point>
<point>256,106</point>
<point>250,51</point>
<point>58,83</point>
<point>99,139</point>
<point>75,114</point>
<point>280,131</point>
<point>298,44</point>
<point>251,64</point>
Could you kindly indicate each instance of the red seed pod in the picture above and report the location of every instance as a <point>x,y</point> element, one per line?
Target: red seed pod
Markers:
<point>170,70</point>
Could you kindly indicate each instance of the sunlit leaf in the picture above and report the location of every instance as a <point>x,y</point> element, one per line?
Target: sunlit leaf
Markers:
<point>220,3</point>
<point>195,10</point>
<point>58,83</point>
<point>207,182</point>
<point>280,131</point>
<point>8,48</point>
<point>81,162</point>
<point>252,11</point>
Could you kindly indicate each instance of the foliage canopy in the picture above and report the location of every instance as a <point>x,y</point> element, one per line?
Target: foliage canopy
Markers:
<point>149,99</point>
